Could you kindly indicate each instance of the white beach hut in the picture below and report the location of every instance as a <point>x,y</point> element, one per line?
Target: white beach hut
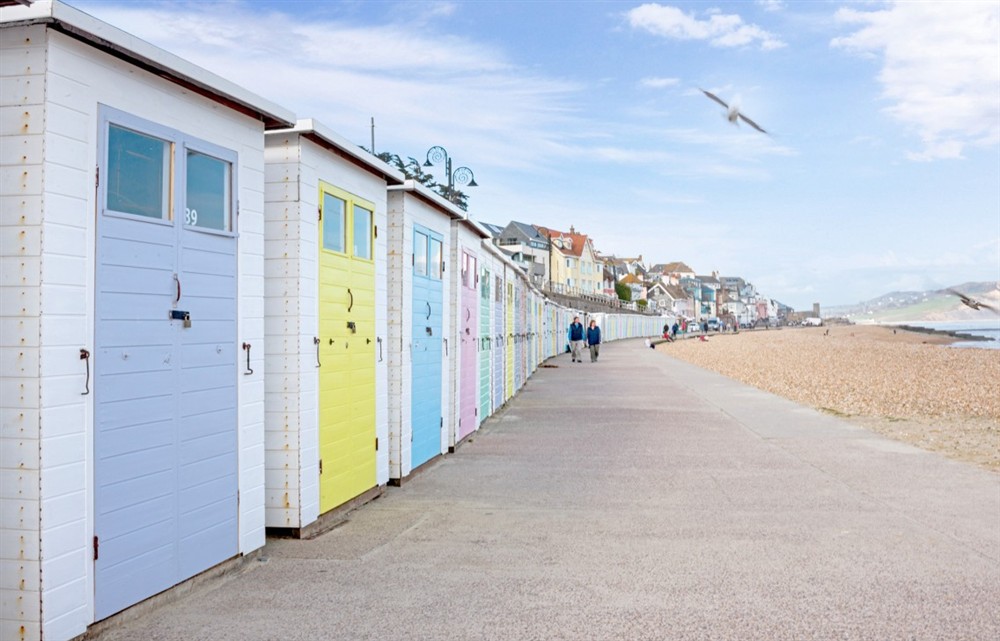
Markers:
<point>132,320</point>
<point>467,256</point>
<point>327,351</point>
<point>420,295</point>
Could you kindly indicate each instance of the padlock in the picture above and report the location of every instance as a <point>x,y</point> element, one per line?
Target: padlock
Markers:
<point>187,320</point>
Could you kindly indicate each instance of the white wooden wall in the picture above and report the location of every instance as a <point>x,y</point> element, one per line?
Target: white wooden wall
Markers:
<point>53,88</point>
<point>294,167</point>
<point>405,210</point>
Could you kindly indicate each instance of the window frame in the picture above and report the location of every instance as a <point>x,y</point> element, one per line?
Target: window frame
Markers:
<point>179,143</point>
<point>351,203</point>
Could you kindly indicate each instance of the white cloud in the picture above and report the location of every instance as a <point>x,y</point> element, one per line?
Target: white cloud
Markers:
<point>421,86</point>
<point>659,83</point>
<point>940,69</point>
<point>771,5</point>
<point>719,29</point>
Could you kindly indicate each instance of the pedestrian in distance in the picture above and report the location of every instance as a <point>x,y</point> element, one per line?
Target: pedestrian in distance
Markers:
<point>576,339</point>
<point>594,340</point>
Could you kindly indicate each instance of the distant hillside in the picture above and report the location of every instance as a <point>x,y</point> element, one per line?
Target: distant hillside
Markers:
<point>935,305</point>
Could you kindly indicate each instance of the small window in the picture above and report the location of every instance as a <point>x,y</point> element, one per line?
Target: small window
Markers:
<point>209,192</point>
<point>138,174</point>
<point>436,263</point>
<point>485,290</point>
<point>334,229</point>
<point>362,233</point>
<point>419,254</point>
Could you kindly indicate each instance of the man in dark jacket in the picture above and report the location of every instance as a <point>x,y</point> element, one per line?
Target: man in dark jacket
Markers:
<point>576,339</point>
<point>594,340</point>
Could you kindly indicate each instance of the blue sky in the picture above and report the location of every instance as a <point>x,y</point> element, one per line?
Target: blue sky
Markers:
<point>882,172</point>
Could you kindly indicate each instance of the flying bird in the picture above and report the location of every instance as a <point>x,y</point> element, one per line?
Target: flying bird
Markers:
<point>733,112</point>
<point>971,302</point>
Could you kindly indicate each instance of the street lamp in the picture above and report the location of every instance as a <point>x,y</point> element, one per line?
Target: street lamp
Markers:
<point>461,176</point>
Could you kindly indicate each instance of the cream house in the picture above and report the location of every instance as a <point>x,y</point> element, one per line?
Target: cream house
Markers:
<point>576,269</point>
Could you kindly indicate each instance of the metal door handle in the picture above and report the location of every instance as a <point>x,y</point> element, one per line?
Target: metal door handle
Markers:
<point>428,311</point>
<point>351,304</point>
<point>177,282</point>
<point>316,343</point>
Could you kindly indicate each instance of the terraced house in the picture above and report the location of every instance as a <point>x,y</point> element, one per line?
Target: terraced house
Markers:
<point>576,269</point>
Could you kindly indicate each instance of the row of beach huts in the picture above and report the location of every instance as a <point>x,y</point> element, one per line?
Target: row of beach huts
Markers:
<point>217,321</point>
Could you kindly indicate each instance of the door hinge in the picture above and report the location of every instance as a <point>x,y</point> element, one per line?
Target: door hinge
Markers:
<point>321,466</point>
<point>442,421</point>
<point>477,411</point>
<point>97,547</point>
<point>97,176</point>
<point>319,213</point>
<point>376,444</point>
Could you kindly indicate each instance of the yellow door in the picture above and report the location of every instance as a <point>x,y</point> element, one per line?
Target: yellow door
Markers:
<point>346,347</point>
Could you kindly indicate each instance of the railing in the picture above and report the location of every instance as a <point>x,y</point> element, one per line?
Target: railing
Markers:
<point>601,299</point>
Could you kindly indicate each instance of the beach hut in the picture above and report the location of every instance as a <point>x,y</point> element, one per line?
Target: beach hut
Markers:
<point>486,340</point>
<point>466,253</point>
<point>326,272</point>
<point>499,355</point>
<point>420,293</point>
<point>133,330</point>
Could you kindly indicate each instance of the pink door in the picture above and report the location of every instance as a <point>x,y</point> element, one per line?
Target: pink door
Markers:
<point>468,409</point>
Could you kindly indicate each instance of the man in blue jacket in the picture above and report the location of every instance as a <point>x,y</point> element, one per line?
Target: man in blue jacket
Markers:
<point>576,339</point>
<point>594,340</point>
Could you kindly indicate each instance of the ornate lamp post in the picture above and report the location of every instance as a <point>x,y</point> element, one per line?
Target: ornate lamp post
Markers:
<point>461,176</point>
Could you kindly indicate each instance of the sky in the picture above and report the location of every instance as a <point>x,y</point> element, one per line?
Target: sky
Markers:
<point>880,170</point>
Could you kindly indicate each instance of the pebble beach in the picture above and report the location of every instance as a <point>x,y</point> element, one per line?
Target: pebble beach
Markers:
<point>905,385</point>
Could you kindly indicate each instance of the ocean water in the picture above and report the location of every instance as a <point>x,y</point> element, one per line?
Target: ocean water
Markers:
<point>988,328</point>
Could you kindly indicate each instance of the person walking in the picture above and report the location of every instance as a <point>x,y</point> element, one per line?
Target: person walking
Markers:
<point>576,339</point>
<point>594,340</point>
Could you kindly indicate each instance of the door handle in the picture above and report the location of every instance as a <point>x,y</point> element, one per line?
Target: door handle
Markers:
<point>428,311</point>
<point>351,304</point>
<point>316,343</point>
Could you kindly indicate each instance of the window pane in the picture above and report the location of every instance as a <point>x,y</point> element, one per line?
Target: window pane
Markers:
<point>208,192</point>
<point>419,254</point>
<point>435,263</point>
<point>334,232</point>
<point>138,174</point>
<point>362,233</point>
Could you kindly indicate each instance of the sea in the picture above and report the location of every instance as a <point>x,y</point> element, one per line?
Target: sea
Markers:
<point>986,328</point>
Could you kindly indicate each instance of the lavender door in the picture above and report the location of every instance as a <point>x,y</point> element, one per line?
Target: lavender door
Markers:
<point>468,408</point>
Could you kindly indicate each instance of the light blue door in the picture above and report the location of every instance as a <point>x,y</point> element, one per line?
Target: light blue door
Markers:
<point>165,389</point>
<point>427,317</point>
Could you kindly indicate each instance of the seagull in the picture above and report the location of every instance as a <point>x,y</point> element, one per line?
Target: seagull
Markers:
<point>971,302</point>
<point>732,112</point>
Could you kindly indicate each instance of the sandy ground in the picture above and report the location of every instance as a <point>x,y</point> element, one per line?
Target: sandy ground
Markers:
<point>906,385</point>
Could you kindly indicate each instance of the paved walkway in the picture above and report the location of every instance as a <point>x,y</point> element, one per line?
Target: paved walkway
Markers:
<point>636,498</point>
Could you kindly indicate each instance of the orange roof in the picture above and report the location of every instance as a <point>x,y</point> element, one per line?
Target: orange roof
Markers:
<point>577,241</point>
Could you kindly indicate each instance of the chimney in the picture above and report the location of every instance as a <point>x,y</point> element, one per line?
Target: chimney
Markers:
<point>571,230</point>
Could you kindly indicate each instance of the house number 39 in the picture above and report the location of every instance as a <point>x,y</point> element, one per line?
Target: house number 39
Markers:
<point>190,216</point>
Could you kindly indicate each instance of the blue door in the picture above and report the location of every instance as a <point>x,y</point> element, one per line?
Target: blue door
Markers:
<point>428,298</point>
<point>165,362</point>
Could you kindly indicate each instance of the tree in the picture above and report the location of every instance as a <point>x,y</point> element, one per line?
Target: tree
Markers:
<point>623,291</point>
<point>413,170</point>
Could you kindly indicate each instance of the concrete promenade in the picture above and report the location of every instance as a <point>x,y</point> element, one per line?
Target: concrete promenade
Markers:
<point>635,498</point>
